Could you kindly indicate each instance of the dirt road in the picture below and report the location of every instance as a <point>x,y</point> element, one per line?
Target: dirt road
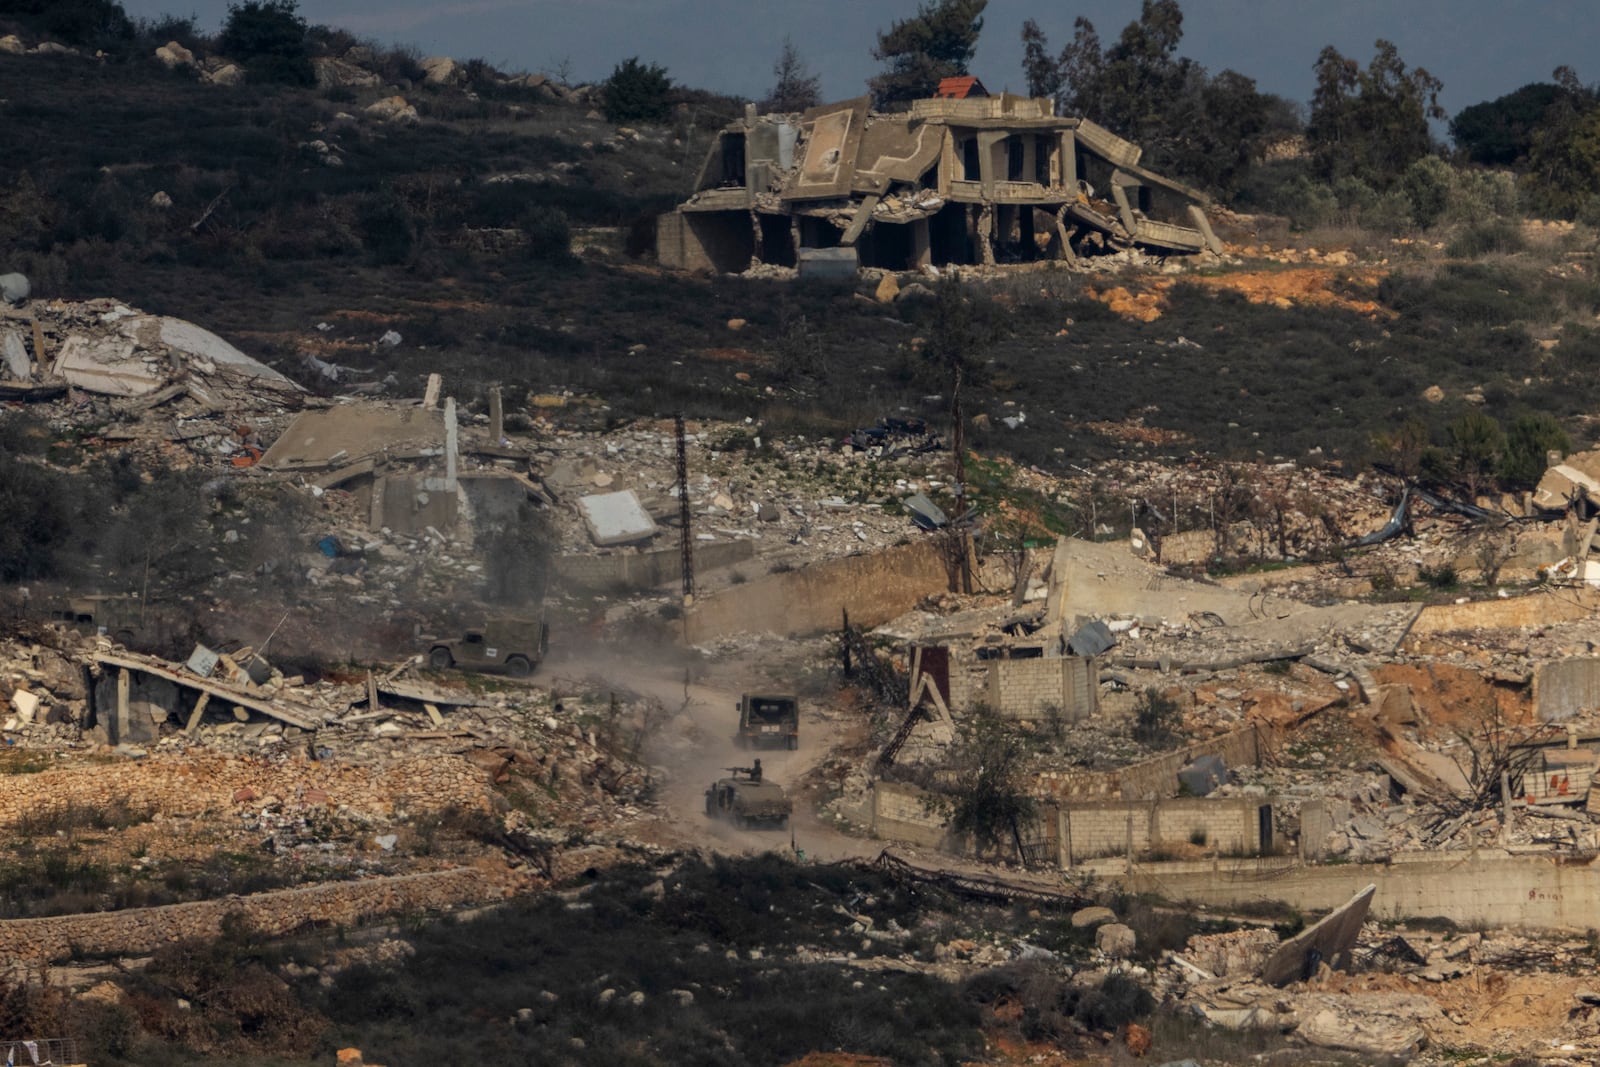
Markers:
<point>697,745</point>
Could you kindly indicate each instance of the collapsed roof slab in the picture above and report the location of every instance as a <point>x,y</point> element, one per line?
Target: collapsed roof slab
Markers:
<point>338,436</point>
<point>616,518</point>
<point>1329,940</point>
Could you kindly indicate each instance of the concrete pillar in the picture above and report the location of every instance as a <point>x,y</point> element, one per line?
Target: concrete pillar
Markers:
<point>430,397</point>
<point>984,227</point>
<point>920,249</point>
<point>450,444</point>
<point>1063,839</point>
<point>123,684</point>
<point>497,415</point>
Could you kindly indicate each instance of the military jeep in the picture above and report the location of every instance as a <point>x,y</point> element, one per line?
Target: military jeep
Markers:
<point>769,721</point>
<point>747,801</point>
<point>502,645</point>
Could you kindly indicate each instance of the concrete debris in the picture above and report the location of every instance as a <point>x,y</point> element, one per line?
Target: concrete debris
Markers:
<point>616,518</point>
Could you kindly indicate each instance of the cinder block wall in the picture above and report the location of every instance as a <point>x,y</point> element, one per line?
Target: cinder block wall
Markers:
<point>1026,688</point>
<point>874,588</point>
<point>900,813</point>
<point>1109,828</point>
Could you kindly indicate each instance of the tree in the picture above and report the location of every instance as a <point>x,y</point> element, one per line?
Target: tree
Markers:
<point>991,800</point>
<point>636,92</point>
<point>795,87</point>
<point>1564,157</point>
<point>1476,445</point>
<point>936,43</point>
<point>1500,132</point>
<point>1372,123</point>
<point>1203,128</point>
<point>1040,72</point>
<point>269,36</point>
<point>1529,442</point>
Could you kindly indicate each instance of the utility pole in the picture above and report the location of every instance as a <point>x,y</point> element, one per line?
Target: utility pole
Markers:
<point>687,535</point>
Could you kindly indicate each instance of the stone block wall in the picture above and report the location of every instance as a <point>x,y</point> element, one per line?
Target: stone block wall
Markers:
<point>198,782</point>
<point>332,904</point>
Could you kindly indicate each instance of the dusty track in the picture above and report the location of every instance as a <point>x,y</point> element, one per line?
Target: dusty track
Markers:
<point>696,746</point>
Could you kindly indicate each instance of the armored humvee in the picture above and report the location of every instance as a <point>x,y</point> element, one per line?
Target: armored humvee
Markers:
<point>748,802</point>
<point>509,645</point>
<point>769,721</point>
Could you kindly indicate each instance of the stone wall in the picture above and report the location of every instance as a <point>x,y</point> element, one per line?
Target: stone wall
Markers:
<point>331,904</point>
<point>1487,888</point>
<point>874,588</point>
<point>197,782</point>
<point>1535,610</point>
<point>1114,828</point>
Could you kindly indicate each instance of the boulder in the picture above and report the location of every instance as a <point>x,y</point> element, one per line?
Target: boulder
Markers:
<point>392,109</point>
<point>50,48</point>
<point>332,73</point>
<point>160,199</point>
<point>173,55</point>
<point>1094,916</point>
<point>12,45</point>
<point>887,290</point>
<point>14,288</point>
<point>1116,940</point>
<point>227,75</point>
<point>441,70</point>
<point>360,55</point>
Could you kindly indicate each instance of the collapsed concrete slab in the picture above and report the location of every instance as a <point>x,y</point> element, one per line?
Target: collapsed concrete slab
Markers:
<point>1327,941</point>
<point>974,180</point>
<point>616,518</point>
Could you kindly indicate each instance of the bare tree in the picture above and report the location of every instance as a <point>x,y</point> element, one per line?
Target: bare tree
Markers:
<point>796,87</point>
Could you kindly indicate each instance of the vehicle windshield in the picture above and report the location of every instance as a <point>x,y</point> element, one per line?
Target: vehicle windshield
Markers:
<point>771,710</point>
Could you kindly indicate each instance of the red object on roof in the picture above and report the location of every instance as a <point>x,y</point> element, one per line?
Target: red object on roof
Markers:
<point>960,88</point>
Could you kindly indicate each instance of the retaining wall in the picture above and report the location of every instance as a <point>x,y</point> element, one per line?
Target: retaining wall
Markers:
<point>1486,888</point>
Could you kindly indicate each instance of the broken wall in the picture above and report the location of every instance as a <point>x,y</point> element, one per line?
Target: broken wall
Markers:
<point>1565,687</point>
<point>901,812</point>
<point>1158,777</point>
<point>711,240</point>
<point>873,587</point>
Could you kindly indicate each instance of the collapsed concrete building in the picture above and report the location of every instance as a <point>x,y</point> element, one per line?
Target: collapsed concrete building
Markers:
<point>979,180</point>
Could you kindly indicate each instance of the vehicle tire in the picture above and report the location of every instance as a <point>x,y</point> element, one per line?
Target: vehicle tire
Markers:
<point>711,806</point>
<point>519,667</point>
<point>783,823</point>
<point>440,659</point>
<point>794,742</point>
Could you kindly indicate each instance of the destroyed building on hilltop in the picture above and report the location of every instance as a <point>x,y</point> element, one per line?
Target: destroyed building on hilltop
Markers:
<point>956,180</point>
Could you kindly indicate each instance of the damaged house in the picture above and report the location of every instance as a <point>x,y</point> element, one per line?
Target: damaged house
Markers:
<point>956,180</point>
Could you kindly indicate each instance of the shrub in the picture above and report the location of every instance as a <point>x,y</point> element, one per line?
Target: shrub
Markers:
<point>270,37</point>
<point>1442,577</point>
<point>1527,446</point>
<point>1155,714</point>
<point>636,92</point>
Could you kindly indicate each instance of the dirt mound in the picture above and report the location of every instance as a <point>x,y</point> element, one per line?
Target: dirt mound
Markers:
<point>1313,286</point>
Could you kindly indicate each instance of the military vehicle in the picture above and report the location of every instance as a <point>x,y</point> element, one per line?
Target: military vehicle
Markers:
<point>767,721</point>
<point>747,801</point>
<point>502,645</point>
